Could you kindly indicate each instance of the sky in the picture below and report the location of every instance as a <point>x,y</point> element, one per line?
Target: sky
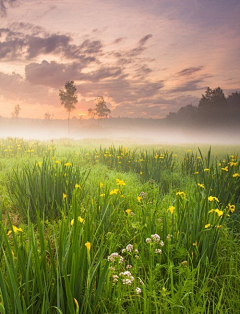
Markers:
<point>146,58</point>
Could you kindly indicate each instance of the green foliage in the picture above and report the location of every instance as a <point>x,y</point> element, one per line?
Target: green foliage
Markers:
<point>45,187</point>
<point>160,241</point>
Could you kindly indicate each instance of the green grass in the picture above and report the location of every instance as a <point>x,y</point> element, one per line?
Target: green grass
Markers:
<point>120,229</point>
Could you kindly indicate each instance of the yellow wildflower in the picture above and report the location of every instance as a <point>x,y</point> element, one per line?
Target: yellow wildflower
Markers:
<point>196,172</point>
<point>120,182</point>
<point>225,168</point>
<point>114,191</point>
<point>88,245</point>
<point>235,175</point>
<point>201,185</point>
<point>15,230</point>
<point>101,195</point>
<point>141,172</point>
<point>128,211</point>
<point>206,170</point>
<point>233,164</point>
<point>80,219</point>
<point>64,195</point>
<point>231,208</point>
<point>77,186</point>
<point>67,164</point>
<point>207,226</point>
<point>57,162</point>
<point>213,198</point>
<point>139,198</point>
<point>195,243</point>
<point>183,194</point>
<point>171,209</point>
<point>219,212</point>
<point>100,184</point>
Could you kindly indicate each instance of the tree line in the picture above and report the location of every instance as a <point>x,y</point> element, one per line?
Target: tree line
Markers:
<point>214,109</point>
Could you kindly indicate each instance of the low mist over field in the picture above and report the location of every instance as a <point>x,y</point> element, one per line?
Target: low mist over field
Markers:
<point>143,131</point>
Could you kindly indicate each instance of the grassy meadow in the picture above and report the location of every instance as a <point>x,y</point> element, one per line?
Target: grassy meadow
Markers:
<point>90,228</point>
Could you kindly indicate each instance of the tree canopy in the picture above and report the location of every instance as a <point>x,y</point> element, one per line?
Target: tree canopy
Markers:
<point>68,97</point>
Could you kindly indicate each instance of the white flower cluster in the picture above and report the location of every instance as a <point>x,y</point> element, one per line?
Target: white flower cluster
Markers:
<point>115,257</point>
<point>138,290</point>
<point>127,278</point>
<point>129,247</point>
<point>155,238</point>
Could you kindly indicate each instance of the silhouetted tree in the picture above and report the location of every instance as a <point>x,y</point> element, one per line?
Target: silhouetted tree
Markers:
<point>16,111</point>
<point>213,106</point>
<point>68,98</point>
<point>48,118</point>
<point>101,110</point>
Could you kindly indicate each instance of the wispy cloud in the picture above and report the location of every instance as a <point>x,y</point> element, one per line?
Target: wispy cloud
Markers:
<point>190,71</point>
<point>4,5</point>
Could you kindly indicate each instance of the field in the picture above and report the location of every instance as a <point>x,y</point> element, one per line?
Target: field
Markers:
<point>90,228</point>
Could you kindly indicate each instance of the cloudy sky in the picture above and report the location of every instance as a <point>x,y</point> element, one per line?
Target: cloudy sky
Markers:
<point>146,57</point>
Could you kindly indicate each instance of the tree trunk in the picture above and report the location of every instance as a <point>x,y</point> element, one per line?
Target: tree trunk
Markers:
<point>68,122</point>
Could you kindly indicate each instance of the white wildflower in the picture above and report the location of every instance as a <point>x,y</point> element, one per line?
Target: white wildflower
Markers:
<point>155,237</point>
<point>129,247</point>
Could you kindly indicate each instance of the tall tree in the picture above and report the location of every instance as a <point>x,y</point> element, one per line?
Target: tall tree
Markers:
<point>101,110</point>
<point>68,98</point>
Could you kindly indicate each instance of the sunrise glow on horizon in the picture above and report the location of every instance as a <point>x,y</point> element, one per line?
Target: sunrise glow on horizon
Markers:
<point>146,58</point>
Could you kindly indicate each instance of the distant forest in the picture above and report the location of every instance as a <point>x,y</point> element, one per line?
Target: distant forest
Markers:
<point>214,109</point>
